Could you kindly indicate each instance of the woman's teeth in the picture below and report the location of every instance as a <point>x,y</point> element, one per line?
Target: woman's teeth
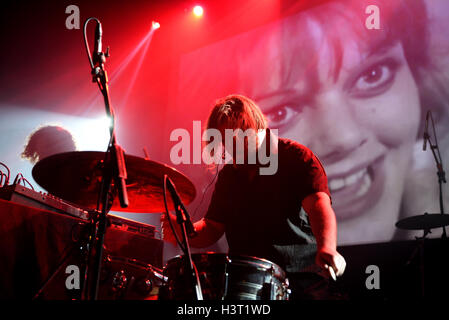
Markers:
<point>366,184</point>
<point>340,183</point>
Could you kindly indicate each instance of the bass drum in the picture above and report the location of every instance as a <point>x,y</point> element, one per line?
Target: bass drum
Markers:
<point>128,279</point>
<point>225,277</point>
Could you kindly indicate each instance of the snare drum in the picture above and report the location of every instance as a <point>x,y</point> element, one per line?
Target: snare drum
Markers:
<point>225,277</point>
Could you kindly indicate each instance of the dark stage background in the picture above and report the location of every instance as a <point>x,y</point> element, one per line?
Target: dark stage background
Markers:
<point>356,97</point>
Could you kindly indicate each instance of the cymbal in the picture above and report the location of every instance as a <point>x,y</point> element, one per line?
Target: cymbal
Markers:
<point>76,177</point>
<point>425,221</point>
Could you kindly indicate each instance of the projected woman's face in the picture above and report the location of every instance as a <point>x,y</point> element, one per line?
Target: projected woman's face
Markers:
<point>360,115</point>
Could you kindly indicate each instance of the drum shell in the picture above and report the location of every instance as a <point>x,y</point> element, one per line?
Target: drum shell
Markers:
<point>225,277</point>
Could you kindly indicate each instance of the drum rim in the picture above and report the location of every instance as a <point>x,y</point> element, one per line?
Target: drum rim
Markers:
<point>235,257</point>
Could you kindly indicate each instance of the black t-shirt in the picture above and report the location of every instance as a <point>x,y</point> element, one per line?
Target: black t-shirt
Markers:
<point>262,213</point>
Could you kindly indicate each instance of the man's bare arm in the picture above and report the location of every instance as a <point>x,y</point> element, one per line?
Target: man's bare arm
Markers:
<point>324,227</point>
<point>208,231</point>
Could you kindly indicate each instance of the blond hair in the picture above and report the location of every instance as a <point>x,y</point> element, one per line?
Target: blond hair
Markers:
<point>236,112</point>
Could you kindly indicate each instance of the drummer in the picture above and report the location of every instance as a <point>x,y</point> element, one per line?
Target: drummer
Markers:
<point>261,214</point>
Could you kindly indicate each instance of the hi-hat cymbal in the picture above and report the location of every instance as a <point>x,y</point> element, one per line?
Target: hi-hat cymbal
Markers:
<point>76,177</point>
<point>425,221</point>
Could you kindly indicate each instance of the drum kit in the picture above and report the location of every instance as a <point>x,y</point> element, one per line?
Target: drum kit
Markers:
<point>76,177</point>
<point>102,181</point>
<point>114,181</point>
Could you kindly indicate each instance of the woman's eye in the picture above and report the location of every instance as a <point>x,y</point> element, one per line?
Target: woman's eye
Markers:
<point>375,80</point>
<point>278,117</point>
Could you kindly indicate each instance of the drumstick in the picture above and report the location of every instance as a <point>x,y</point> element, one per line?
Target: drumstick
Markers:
<point>332,273</point>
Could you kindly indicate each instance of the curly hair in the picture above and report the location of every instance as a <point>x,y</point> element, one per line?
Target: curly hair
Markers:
<point>46,141</point>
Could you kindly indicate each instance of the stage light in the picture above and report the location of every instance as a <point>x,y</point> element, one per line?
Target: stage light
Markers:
<point>198,11</point>
<point>91,134</point>
<point>155,25</point>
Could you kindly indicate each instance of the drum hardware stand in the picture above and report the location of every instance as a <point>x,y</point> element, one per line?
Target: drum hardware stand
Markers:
<point>439,163</point>
<point>226,278</point>
<point>114,173</point>
<point>188,255</point>
<point>441,179</point>
<point>81,244</point>
<point>419,249</point>
<point>183,219</point>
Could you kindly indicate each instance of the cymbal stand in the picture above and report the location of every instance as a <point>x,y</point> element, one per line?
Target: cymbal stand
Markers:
<point>441,179</point>
<point>419,249</point>
<point>441,174</point>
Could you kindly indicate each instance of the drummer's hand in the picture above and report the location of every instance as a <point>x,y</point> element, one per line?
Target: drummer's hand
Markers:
<point>167,233</point>
<point>328,258</point>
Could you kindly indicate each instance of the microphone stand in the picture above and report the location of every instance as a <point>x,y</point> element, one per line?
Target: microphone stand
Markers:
<point>440,171</point>
<point>113,178</point>
<point>182,218</point>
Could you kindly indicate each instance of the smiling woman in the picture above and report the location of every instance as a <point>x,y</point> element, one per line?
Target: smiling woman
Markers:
<point>352,96</point>
<point>355,96</point>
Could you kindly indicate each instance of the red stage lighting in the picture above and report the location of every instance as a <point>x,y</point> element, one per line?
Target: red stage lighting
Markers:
<point>198,11</point>
<point>155,25</point>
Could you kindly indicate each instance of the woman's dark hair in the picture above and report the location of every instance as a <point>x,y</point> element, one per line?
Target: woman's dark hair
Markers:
<point>401,21</point>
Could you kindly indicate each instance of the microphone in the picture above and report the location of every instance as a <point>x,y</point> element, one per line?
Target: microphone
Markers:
<point>121,175</point>
<point>426,134</point>
<point>98,46</point>
<point>190,229</point>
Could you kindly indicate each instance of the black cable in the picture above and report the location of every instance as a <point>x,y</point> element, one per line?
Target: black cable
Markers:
<point>20,178</point>
<point>17,178</point>
<point>168,216</point>
<point>205,191</point>
<point>85,40</point>
<point>9,172</point>
<point>26,180</point>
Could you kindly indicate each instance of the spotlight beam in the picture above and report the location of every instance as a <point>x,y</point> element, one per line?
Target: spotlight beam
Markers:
<point>122,66</point>
<point>136,71</point>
